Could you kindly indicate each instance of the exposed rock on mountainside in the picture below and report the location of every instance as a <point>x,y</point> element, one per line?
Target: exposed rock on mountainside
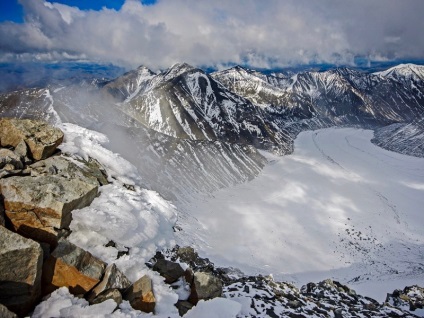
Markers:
<point>404,138</point>
<point>185,102</point>
<point>40,206</point>
<point>155,154</point>
<point>113,279</point>
<point>261,296</point>
<point>20,272</point>
<point>72,267</point>
<point>140,295</point>
<point>41,138</point>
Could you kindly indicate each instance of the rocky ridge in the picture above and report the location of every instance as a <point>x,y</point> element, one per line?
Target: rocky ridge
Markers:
<point>39,189</point>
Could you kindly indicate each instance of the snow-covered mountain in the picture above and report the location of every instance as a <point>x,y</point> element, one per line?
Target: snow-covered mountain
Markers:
<point>185,102</point>
<point>350,95</point>
<point>174,167</point>
<point>406,138</point>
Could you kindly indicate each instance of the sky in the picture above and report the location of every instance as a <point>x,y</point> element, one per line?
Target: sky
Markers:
<point>204,33</point>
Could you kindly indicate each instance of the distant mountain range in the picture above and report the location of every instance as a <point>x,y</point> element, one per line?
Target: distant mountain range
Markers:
<point>178,119</point>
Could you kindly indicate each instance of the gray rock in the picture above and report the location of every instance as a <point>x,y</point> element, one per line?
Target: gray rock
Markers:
<point>21,149</point>
<point>72,267</point>
<point>23,152</point>
<point>20,272</point>
<point>6,313</point>
<point>140,295</point>
<point>170,270</point>
<point>112,279</point>
<point>38,206</point>
<point>183,306</point>
<point>2,216</point>
<point>107,294</point>
<point>9,160</point>
<point>205,286</point>
<point>41,138</point>
<point>67,168</point>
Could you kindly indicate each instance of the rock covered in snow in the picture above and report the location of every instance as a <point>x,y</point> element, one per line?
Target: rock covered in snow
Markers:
<point>141,296</point>
<point>41,138</point>
<point>411,299</point>
<point>72,267</point>
<point>20,272</point>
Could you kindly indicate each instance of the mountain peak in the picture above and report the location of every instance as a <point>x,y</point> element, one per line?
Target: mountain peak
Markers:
<point>407,70</point>
<point>178,69</point>
<point>142,69</point>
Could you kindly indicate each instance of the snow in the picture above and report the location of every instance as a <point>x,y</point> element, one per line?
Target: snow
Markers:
<point>137,220</point>
<point>215,308</point>
<point>62,304</point>
<point>88,143</point>
<point>339,207</point>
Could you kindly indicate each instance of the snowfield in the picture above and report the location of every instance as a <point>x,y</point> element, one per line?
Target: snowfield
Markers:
<point>339,207</point>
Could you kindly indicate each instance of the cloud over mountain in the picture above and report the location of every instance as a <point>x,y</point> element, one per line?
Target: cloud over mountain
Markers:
<point>212,33</point>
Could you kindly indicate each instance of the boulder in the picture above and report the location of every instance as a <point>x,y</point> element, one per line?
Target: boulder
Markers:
<point>10,160</point>
<point>41,138</point>
<point>38,206</point>
<point>183,306</point>
<point>112,279</point>
<point>20,272</point>
<point>69,168</point>
<point>72,267</point>
<point>188,255</point>
<point>113,294</point>
<point>205,286</point>
<point>140,295</point>
<point>170,270</point>
<point>6,313</point>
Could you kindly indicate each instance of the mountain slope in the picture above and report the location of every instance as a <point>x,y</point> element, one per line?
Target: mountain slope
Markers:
<point>336,95</point>
<point>185,102</point>
<point>176,168</point>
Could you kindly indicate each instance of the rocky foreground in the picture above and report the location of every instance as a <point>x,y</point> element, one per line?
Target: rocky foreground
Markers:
<point>40,187</point>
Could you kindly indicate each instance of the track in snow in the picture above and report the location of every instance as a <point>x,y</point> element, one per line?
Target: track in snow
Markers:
<point>339,207</point>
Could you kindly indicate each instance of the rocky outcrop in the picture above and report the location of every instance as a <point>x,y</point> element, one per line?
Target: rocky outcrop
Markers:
<point>41,138</point>
<point>410,298</point>
<point>170,270</point>
<point>38,206</point>
<point>72,267</point>
<point>205,286</point>
<point>20,272</point>
<point>113,279</point>
<point>10,160</point>
<point>140,295</point>
<point>113,294</point>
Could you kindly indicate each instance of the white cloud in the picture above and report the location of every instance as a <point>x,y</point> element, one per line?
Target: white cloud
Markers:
<point>212,33</point>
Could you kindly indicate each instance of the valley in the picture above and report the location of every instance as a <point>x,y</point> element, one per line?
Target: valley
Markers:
<point>338,207</point>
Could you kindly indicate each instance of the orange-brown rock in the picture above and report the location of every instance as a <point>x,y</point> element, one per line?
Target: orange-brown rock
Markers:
<point>72,267</point>
<point>38,206</point>
<point>41,138</point>
<point>140,295</point>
